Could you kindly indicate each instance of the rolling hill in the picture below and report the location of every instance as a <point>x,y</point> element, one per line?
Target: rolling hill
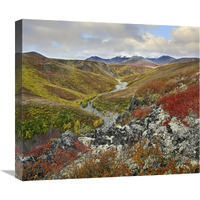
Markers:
<point>161,78</point>
<point>52,91</point>
<point>91,66</point>
<point>153,120</point>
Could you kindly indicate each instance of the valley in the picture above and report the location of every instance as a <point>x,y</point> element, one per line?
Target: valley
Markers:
<point>130,116</point>
<point>108,118</point>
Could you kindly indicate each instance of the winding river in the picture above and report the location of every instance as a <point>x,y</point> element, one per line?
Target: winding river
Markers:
<point>108,117</point>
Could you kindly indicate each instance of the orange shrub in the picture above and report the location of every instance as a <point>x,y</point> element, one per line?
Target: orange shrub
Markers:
<point>156,86</point>
<point>105,164</point>
<point>141,112</point>
<point>151,160</point>
<point>42,167</point>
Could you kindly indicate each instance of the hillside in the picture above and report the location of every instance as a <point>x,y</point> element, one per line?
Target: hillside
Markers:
<point>161,76</point>
<point>34,54</point>
<point>52,92</point>
<point>129,72</point>
<point>64,82</point>
<point>156,132</point>
<point>80,120</point>
<point>91,66</point>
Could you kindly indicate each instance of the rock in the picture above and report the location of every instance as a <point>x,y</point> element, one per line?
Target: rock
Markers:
<point>86,140</point>
<point>25,160</point>
<point>175,137</point>
<point>120,119</point>
<point>119,148</point>
<point>178,128</point>
<point>137,127</point>
<point>65,141</point>
<point>134,103</point>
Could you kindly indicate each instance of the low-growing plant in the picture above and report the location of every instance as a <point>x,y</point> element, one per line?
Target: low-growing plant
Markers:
<point>104,164</point>
<point>37,120</point>
<point>152,161</point>
<point>165,123</point>
<point>182,103</point>
<point>48,161</point>
<point>141,112</point>
<point>113,105</point>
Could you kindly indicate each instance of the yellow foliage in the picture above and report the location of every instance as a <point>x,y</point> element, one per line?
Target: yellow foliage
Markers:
<point>97,123</point>
<point>27,135</point>
<point>52,140</point>
<point>76,126</point>
<point>67,126</point>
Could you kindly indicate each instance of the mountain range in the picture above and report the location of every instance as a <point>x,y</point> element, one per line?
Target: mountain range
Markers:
<point>115,60</point>
<point>141,61</point>
<point>162,60</point>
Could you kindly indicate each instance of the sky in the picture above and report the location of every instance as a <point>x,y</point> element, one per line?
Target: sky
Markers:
<point>80,40</point>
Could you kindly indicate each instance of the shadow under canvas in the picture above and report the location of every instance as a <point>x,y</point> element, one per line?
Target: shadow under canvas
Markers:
<point>10,172</point>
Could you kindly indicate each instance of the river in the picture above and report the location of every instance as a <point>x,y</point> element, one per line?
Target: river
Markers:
<point>108,117</point>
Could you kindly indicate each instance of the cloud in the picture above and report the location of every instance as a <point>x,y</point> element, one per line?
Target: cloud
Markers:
<point>77,40</point>
<point>106,40</point>
<point>185,35</point>
<point>185,40</point>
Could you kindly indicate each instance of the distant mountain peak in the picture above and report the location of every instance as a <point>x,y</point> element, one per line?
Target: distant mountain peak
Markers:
<point>165,56</point>
<point>139,61</point>
<point>114,60</point>
<point>165,59</point>
<point>34,53</point>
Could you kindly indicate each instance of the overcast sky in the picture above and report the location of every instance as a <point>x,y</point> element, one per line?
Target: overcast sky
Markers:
<point>80,40</point>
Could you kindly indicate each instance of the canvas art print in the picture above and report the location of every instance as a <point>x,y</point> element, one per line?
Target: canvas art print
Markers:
<point>105,100</point>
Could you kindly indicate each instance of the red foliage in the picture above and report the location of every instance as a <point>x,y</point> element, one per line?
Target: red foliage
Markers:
<point>158,164</point>
<point>104,164</point>
<point>159,86</point>
<point>185,123</point>
<point>181,104</point>
<point>141,112</point>
<point>165,123</point>
<point>44,167</point>
<point>38,151</point>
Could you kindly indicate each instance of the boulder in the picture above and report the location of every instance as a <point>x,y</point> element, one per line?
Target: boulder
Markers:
<point>65,141</point>
<point>134,103</point>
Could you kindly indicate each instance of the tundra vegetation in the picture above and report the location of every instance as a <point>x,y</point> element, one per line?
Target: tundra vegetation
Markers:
<point>53,92</point>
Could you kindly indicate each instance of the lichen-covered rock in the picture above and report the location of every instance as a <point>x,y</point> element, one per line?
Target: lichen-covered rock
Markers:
<point>176,137</point>
<point>134,103</point>
<point>65,141</point>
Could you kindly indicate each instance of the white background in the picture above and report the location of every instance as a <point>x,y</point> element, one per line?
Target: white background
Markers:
<point>158,12</point>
